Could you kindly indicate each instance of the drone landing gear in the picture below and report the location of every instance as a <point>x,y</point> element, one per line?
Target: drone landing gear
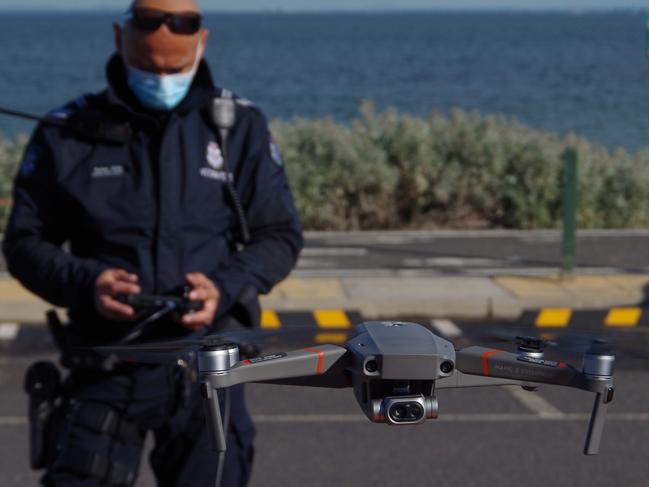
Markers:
<point>217,359</point>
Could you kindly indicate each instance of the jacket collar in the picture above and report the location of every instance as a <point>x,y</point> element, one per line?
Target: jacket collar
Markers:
<point>201,92</point>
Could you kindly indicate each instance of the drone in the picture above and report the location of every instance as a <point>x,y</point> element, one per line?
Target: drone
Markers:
<point>394,368</point>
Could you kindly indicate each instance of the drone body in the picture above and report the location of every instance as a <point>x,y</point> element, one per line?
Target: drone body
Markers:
<point>395,370</point>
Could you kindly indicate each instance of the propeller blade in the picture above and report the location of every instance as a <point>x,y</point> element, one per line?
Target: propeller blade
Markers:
<point>164,346</point>
<point>170,351</point>
<point>567,341</point>
<point>156,358</point>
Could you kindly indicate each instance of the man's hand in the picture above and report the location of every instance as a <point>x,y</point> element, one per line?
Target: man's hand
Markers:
<point>203,290</point>
<point>109,284</point>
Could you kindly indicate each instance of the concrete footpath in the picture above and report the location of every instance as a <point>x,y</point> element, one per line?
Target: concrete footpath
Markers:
<point>456,297</point>
<point>463,275</point>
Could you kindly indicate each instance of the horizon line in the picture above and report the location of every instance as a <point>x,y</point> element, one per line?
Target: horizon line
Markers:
<point>387,10</point>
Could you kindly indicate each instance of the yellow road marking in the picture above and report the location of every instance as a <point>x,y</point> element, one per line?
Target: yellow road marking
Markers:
<point>554,318</point>
<point>335,338</point>
<point>270,320</point>
<point>623,317</point>
<point>332,319</point>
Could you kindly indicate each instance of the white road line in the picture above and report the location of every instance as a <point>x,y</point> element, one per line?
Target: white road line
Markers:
<point>343,273</point>
<point>428,272</point>
<point>446,418</point>
<point>333,251</point>
<point>335,237</point>
<point>446,328</point>
<point>308,418</point>
<point>535,403</point>
<point>13,420</point>
<point>8,331</point>
<point>316,263</point>
<point>455,262</point>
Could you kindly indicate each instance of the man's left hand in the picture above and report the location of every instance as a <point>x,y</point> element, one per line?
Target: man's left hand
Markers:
<point>203,290</point>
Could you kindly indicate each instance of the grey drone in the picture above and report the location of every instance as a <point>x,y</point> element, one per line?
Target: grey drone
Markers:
<point>395,370</point>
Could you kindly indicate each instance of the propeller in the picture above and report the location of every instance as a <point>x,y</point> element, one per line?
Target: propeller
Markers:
<point>174,351</point>
<point>622,344</point>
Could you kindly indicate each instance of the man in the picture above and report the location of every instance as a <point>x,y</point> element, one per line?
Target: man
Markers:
<point>136,185</point>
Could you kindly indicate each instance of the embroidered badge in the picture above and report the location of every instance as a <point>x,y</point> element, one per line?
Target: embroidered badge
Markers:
<point>29,160</point>
<point>214,156</point>
<point>276,154</point>
<point>107,171</point>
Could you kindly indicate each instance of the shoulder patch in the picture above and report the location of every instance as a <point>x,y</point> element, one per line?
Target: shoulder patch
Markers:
<point>28,164</point>
<point>275,153</point>
<point>229,95</point>
<point>244,102</point>
<point>69,109</point>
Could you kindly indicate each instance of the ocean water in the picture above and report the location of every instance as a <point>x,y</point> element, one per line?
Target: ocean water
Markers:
<point>586,73</point>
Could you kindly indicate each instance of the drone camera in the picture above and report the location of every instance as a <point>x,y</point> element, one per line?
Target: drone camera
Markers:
<point>405,410</point>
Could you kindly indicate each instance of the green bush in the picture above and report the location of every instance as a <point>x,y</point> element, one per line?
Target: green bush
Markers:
<point>387,170</point>
<point>462,170</point>
<point>10,154</point>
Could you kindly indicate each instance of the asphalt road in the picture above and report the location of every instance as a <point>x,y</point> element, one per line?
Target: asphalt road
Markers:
<point>478,253</point>
<point>497,436</point>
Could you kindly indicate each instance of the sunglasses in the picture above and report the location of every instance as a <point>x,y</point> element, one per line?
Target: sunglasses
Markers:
<point>150,20</point>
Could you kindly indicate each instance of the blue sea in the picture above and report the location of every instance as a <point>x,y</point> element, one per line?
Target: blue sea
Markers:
<point>586,73</point>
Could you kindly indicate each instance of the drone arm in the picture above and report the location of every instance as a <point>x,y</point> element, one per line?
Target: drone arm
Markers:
<point>460,379</point>
<point>477,366</point>
<point>281,368</point>
<point>505,368</point>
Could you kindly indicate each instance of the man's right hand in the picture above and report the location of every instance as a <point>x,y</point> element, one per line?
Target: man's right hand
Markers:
<point>108,285</point>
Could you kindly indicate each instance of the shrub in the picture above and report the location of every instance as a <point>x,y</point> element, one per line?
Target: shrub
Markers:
<point>10,154</point>
<point>462,170</point>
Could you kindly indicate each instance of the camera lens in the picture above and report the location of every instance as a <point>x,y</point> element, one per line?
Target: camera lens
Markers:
<point>371,366</point>
<point>406,412</point>
<point>398,412</point>
<point>446,367</point>
<point>416,411</point>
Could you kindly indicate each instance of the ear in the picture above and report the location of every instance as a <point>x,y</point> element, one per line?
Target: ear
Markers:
<point>117,36</point>
<point>204,36</point>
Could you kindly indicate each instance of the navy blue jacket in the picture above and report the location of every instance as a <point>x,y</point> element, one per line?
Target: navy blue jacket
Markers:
<point>154,205</point>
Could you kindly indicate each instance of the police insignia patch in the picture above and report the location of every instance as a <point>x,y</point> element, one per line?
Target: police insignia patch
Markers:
<point>61,113</point>
<point>29,161</point>
<point>244,102</point>
<point>214,156</point>
<point>276,154</point>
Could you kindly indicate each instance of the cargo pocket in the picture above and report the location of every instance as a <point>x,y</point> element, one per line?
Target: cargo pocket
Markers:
<point>94,445</point>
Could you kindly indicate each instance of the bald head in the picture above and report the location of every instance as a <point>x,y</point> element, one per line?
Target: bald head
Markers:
<point>160,51</point>
<point>168,5</point>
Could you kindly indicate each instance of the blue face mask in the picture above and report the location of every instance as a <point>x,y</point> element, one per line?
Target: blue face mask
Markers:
<point>161,92</point>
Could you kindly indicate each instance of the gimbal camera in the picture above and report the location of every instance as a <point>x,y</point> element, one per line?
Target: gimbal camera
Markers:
<point>395,370</point>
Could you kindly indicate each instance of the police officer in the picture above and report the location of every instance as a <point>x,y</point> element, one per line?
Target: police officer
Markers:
<point>136,183</point>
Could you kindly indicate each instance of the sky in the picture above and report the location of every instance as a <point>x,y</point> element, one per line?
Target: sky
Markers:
<point>337,5</point>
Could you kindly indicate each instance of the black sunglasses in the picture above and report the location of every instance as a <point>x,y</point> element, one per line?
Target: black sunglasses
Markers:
<point>150,20</point>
